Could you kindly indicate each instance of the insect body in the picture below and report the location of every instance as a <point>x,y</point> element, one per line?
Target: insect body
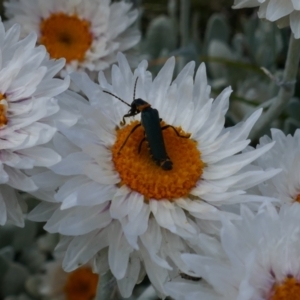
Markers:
<point>153,131</point>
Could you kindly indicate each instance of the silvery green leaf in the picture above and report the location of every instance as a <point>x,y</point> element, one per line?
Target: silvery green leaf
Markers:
<point>219,50</point>
<point>238,45</point>
<point>107,287</point>
<point>148,294</point>
<point>6,235</point>
<point>249,29</point>
<point>293,109</point>
<point>19,297</point>
<point>196,33</point>
<point>263,41</point>
<point>161,34</point>
<point>290,126</point>
<point>13,281</point>
<point>32,258</point>
<point>24,237</point>
<point>4,266</point>
<point>217,29</point>
<point>47,242</point>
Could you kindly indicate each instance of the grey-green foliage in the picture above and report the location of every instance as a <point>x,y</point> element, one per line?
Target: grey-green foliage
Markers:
<point>21,296</point>
<point>13,281</point>
<point>22,253</point>
<point>263,40</point>
<point>258,45</point>
<point>217,28</point>
<point>161,37</point>
<point>292,122</point>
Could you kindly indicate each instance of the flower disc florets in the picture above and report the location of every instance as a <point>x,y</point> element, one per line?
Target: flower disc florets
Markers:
<point>139,172</point>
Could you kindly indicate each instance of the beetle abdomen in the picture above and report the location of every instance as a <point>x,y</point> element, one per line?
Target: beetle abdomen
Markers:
<point>151,123</point>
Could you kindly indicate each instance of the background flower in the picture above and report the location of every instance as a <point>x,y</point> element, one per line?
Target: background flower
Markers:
<point>29,115</point>
<point>87,33</point>
<point>284,155</point>
<point>259,260</point>
<point>283,12</point>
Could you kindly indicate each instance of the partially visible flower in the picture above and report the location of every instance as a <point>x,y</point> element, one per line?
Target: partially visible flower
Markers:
<point>258,260</point>
<point>285,155</point>
<point>56,284</point>
<point>285,12</point>
<point>117,197</point>
<point>28,116</point>
<point>87,33</point>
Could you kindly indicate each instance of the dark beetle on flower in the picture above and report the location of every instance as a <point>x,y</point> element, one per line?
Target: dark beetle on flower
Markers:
<point>150,121</point>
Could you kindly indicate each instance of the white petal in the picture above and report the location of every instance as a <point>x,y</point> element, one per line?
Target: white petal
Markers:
<point>152,239</point>
<point>278,8</point>
<point>296,4</point>
<point>83,248</point>
<point>295,23</point>
<point>127,284</point>
<point>119,251</point>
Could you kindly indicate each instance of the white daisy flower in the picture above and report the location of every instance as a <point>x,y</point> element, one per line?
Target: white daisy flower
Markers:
<point>56,284</point>
<point>28,116</point>
<point>284,155</point>
<point>87,33</point>
<point>284,12</point>
<point>145,209</point>
<point>258,260</point>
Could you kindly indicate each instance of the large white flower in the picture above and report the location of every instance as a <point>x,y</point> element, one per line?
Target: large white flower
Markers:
<point>28,116</point>
<point>87,33</point>
<point>284,155</point>
<point>284,12</point>
<point>258,259</point>
<point>121,198</point>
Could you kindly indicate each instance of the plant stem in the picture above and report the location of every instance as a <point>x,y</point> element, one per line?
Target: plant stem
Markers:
<point>106,287</point>
<point>286,91</point>
<point>184,28</point>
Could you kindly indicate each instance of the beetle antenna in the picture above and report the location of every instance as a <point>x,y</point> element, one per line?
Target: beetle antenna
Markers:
<point>135,88</point>
<point>117,97</point>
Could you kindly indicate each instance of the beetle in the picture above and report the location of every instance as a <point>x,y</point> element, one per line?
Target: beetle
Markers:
<point>150,121</point>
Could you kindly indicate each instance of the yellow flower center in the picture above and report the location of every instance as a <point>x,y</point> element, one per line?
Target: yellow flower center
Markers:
<point>289,289</point>
<point>66,36</point>
<point>81,284</point>
<point>141,173</point>
<point>3,111</point>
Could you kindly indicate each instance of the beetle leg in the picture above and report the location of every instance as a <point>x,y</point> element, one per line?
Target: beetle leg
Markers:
<point>129,114</point>
<point>167,126</point>
<point>141,143</point>
<point>123,122</point>
<point>132,131</point>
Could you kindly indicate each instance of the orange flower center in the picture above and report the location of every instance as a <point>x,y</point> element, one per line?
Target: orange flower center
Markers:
<point>297,198</point>
<point>141,173</point>
<point>3,111</point>
<point>81,284</point>
<point>289,289</point>
<point>66,36</point>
